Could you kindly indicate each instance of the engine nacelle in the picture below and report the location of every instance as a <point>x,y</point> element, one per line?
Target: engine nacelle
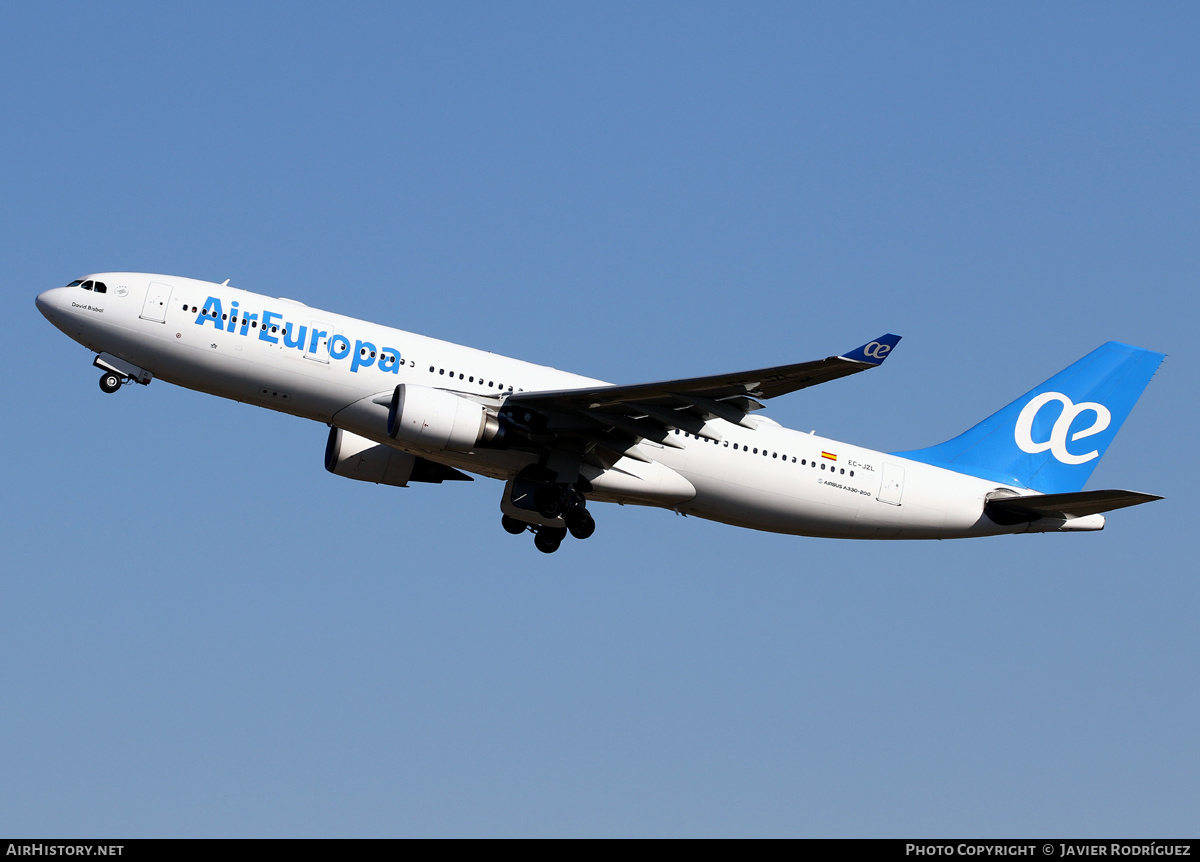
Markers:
<point>354,457</point>
<point>357,457</point>
<point>436,419</point>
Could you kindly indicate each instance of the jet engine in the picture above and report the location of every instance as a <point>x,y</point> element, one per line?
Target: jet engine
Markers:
<point>435,419</point>
<point>358,458</point>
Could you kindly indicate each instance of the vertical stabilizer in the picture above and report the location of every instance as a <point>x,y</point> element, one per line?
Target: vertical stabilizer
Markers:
<point>1051,438</point>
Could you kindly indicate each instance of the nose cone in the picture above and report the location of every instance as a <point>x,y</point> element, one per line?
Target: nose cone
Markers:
<point>50,301</point>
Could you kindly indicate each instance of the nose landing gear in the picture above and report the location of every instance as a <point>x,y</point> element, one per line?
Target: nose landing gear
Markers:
<point>117,371</point>
<point>110,382</point>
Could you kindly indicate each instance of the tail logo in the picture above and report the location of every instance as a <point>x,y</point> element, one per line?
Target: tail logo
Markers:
<point>875,350</point>
<point>1057,444</point>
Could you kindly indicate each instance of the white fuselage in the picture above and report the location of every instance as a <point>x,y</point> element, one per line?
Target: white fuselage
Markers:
<point>290,357</point>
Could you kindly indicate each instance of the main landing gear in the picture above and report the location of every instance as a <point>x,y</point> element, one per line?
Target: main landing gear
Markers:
<point>565,504</point>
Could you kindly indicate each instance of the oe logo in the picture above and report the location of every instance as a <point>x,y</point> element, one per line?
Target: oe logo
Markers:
<point>1057,444</point>
<point>876,350</point>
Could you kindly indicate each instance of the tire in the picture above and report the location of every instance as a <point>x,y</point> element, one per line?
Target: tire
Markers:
<point>580,523</point>
<point>512,525</point>
<point>110,382</point>
<point>548,539</point>
<point>548,500</point>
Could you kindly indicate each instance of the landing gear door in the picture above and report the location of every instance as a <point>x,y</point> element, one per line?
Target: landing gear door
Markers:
<point>155,307</point>
<point>517,502</point>
<point>317,348</point>
<point>892,487</point>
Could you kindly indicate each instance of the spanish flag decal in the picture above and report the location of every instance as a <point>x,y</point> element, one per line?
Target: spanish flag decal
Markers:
<point>829,455</point>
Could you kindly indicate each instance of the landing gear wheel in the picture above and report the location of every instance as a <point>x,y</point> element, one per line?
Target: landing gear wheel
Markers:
<point>580,522</point>
<point>548,500</point>
<point>110,382</point>
<point>512,525</point>
<point>548,539</point>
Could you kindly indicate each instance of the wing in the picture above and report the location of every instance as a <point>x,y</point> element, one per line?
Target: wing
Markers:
<point>616,418</point>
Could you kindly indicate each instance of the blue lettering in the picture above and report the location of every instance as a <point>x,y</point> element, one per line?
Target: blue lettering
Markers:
<point>389,360</point>
<point>211,313</point>
<point>246,318</point>
<point>339,346</point>
<point>233,311</point>
<point>359,360</point>
<point>317,335</point>
<point>263,334</point>
<point>288,331</point>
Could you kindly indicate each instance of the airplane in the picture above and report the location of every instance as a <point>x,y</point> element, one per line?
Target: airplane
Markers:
<point>404,408</point>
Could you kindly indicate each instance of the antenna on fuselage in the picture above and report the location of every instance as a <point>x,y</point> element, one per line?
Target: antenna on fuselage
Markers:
<point>225,283</point>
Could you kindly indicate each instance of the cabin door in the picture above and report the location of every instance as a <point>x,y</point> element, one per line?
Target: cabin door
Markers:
<point>157,298</point>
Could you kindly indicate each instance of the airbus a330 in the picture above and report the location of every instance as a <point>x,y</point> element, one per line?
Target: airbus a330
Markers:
<point>403,408</point>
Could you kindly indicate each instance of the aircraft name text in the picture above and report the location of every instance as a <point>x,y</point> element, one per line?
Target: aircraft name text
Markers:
<point>363,354</point>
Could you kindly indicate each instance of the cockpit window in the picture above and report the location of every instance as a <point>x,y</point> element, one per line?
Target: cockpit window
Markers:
<point>76,283</point>
<point>87,285</point>
<point>101,287</point>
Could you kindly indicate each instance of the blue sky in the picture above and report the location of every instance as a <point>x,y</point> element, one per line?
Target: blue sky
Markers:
<point>207,634</point>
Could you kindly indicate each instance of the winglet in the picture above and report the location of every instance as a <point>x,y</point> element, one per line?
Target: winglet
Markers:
<point>873,352</point>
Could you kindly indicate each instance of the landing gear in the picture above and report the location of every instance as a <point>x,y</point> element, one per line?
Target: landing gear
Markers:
<point>580,522</point>
<point>512,525</point>
<point>535,501</point>
<point>549,500</point>
<point>547,539</point>
<point>110,382</point>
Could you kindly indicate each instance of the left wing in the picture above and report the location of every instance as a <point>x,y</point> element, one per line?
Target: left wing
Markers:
<point>617,417</point>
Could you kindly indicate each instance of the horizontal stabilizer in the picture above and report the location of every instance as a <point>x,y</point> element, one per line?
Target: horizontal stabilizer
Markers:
<point>1015,510</point>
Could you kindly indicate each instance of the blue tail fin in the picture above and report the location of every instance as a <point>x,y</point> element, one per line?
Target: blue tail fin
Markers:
<point>1051,438</point>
